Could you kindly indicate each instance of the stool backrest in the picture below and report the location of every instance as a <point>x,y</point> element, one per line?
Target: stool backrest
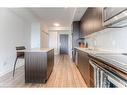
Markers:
<point>20,54</point>
<point>20,48</point>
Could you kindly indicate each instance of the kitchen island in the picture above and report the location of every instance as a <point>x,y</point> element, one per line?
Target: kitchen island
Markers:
<point>38,65</point>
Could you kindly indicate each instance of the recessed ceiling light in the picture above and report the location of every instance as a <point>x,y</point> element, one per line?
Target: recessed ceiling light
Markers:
<point>56,24</point>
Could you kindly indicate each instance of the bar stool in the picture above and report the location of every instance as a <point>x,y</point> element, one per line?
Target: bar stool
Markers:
<point>20,54</point>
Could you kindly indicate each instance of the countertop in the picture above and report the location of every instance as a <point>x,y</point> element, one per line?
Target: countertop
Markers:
<point>36,50</point>
<point>115,59</point>
<point>96,51</point>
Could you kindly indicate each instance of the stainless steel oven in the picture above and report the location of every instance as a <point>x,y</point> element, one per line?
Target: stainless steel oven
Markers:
<point>109,80</point>
<point>105,79</point>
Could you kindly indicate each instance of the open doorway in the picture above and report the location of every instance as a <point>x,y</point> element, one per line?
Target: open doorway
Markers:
<point>63,43</point>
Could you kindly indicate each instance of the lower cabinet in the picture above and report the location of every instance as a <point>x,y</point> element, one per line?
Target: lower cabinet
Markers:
<point>84,66</point>
<point>92,76</point>
<point>50,62</point>
<point>38,66</point>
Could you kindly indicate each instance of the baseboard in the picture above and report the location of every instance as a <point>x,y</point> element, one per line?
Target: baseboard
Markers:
<point>10,70</point>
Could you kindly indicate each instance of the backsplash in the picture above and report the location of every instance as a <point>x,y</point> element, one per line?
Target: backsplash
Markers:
<point>110,39</point>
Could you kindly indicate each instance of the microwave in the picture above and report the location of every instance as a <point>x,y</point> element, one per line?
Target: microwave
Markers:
<point>115,17</point>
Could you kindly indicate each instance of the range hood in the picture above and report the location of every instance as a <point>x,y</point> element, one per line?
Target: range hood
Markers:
<point>117,21</point>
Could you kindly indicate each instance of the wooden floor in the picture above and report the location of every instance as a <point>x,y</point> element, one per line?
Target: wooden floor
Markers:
<point>65,74</point>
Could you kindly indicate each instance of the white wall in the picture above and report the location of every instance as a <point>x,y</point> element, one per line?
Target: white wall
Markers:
<point>44,40</point>
<point>13,31</point>
<point>44,36</point>
<point>35,35</point>
<point>54,40</point>
<point>111,39</point>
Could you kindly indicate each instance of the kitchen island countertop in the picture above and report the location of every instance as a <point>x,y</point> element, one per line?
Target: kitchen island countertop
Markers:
<point>36,50</point>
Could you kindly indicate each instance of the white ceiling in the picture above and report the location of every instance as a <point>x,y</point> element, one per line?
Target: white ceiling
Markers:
<point>50,15</point>
<point>47,16</point>
<point>24,14</point>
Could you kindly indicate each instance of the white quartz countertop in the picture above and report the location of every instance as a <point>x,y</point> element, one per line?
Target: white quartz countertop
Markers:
<point>36,50</point>
<point>115,58</point>
<point>94,51</point>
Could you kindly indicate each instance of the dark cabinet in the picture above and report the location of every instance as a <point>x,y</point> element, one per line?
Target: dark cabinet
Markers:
<point>92,76</point>
<point>38,66</point>
<point>84,66</point>
<point>91,21</point>
<point>50,62</point>
<point>75,37</point>
<point>75,33</point>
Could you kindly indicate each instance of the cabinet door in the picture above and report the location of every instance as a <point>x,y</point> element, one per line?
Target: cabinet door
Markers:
<point>92,21</point>
<point>83,65</point>
<point>82,33</point>
<point>86,68</point>
<point>97,20</point>
<point>50,62</point>
<point>75,33</point>
<point>92,76</point>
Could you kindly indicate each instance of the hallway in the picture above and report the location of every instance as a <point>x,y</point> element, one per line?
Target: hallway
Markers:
<point>65,74</point>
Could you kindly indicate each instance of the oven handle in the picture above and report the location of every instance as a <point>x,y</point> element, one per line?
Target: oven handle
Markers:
<point>96,74</point>
<point>91,63</point>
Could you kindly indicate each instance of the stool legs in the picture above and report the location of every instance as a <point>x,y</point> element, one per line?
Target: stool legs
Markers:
<point>14,66</point>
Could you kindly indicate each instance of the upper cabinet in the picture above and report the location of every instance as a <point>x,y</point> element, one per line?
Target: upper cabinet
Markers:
<point>97,18</point>
<point>75,33</point>
<point>91,21</point>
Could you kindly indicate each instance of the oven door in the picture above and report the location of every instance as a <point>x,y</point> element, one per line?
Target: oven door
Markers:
<point>112,83</point>
<point>109,80</point>
<point>115,82</point>
<point>104,78</point>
